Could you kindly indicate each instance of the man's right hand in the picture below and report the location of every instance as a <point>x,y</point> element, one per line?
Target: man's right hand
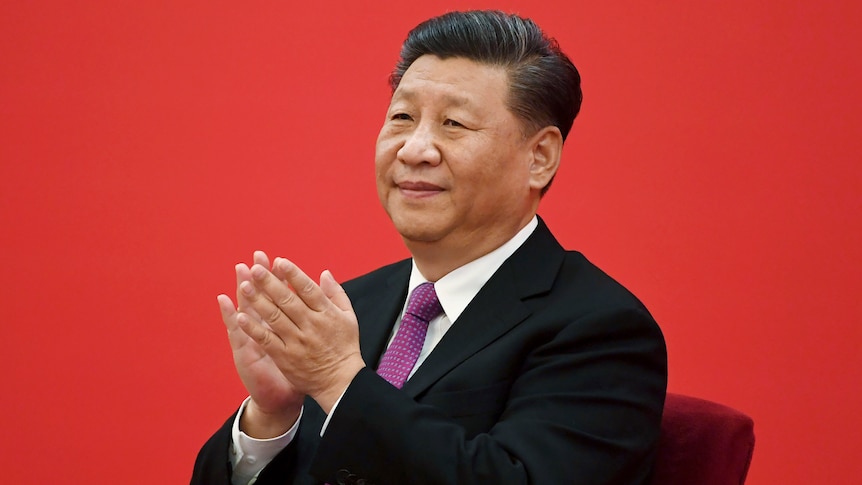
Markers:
<point>275,405</point>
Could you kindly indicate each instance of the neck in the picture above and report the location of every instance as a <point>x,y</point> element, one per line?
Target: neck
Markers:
<point>436,259</point>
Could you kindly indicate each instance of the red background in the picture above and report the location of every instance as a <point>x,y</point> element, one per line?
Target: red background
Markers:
<point>147,147</point>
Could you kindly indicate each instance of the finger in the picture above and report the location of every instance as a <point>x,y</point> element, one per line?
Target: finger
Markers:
<point>228,311</point>
<point>228,315</point>
<point>267,339</point>
<point>334,291</point>
<point>261,305</point>
<point>261,258</point>
<point>304,287</point>
<point>243,273</point>
<point>269,298</point>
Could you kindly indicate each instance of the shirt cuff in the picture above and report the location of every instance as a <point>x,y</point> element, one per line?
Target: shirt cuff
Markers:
<point>248,456</point>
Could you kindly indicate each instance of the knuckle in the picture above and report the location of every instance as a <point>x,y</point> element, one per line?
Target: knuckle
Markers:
<point>285,300</point>
<point>265,339</point>
<point>307,288</point>
<point>273,315</point>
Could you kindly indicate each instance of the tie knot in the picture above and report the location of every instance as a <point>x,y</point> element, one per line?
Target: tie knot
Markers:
<point>423,303</point>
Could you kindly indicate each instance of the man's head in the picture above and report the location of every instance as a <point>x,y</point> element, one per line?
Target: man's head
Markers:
<point>481,103</point>
<point>544,85</point>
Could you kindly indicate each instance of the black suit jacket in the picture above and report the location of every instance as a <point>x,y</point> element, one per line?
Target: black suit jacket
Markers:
<point>553,374</point>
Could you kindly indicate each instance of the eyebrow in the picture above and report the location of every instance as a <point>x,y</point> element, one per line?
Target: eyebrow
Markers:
<point>449,98</point>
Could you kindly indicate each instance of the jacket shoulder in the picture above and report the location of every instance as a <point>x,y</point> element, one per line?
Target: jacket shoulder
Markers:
<point>593,290</point>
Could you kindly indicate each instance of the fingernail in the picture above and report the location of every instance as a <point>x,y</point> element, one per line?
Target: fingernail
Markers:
<point>258,272</point>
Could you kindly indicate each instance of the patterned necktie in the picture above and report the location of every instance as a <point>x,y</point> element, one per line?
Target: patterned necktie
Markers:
<point>400,357</point>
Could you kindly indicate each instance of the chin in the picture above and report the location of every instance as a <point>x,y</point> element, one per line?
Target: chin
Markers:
<point>415,234</point>
<point>419,238</point>
<point>414,230</point>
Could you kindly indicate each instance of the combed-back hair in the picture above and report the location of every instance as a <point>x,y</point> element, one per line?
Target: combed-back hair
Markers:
<point>544,85</point>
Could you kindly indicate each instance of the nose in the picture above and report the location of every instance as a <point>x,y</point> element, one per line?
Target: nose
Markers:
<point>420,146</point>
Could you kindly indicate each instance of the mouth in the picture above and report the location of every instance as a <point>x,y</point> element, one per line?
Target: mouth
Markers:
<point>416,189</point>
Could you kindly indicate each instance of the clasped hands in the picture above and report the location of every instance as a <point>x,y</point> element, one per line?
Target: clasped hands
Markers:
<point>290,337</point>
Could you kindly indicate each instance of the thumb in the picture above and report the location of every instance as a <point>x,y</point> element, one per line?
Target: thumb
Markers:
<point>334,291</point>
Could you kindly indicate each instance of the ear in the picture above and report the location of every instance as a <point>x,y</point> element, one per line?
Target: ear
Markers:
<point>547,147</point>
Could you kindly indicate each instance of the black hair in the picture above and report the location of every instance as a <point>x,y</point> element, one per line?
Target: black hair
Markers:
<point>544,85</point>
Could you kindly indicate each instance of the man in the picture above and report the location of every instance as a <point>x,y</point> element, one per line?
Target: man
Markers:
<point>533,366</point>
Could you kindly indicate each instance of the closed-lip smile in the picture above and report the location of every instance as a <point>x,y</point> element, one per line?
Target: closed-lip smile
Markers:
<point>413,188</point>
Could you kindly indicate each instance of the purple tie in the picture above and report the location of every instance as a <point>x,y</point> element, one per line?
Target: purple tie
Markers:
<point>400,357</point>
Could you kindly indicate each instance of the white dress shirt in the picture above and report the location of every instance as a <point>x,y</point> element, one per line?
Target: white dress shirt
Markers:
<point>455,291</point>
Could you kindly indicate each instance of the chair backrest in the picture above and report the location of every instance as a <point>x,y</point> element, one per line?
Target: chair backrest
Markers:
<point>702,443</point>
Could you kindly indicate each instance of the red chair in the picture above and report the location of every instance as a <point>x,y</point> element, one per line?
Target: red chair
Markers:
<point>702,443</point>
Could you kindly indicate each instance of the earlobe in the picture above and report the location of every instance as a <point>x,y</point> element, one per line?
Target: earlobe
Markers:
<point>547,148</point>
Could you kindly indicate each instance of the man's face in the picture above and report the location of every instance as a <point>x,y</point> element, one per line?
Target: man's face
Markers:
<point>452,162</point>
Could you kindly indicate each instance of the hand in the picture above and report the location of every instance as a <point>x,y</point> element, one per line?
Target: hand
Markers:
<point>275,402</point>
<point>312,333</point>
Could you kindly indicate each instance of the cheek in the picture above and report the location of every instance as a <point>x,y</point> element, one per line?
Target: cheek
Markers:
<point>381,177</point>
<point>502,179</point>
<point>382,181</point>
<point>386,151</point>
<point>387,139</point>
<point>381,161</point>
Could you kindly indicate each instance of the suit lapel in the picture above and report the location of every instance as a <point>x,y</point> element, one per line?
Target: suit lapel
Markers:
<point>497,307</point>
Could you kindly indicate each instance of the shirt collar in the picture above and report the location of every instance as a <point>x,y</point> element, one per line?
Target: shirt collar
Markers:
<point>458,288</point>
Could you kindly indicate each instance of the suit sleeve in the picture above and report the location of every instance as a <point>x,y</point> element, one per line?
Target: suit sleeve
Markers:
<point>584,408</point>
<point>290,465</point>
<point>212,466</point>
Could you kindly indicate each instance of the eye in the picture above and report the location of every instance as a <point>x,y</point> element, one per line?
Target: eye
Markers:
<point>451,122</point>
<point>401,116</point>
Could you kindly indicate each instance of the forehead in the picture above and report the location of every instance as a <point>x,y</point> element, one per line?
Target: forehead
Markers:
<point>454,80</point>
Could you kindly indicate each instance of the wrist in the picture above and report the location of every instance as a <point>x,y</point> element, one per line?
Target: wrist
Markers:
<point>328,396</point>
<point>265,424</point>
